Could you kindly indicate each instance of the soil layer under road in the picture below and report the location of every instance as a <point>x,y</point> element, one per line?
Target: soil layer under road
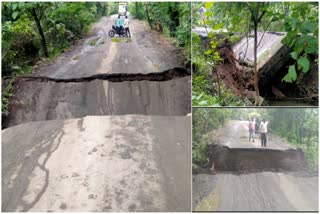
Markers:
<point>38,100</point>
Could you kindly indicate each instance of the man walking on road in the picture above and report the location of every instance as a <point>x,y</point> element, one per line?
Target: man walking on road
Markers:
<point>252,126</point>
<point>263,130</point>
<point>126,26</point>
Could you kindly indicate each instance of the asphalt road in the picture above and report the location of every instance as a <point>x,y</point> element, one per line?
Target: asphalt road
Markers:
<point>98,163</point>
<point>146,52</point>
<point>235,134</point>
<point>134,154</point>
<point>262,191</point>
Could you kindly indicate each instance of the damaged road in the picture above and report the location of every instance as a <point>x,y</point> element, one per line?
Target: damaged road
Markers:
<point>131,76</point>
<point>273,60</point>
<point>98,163</point>
<point>250,178</point>
<point>103,127</point>
<point>166,93</point>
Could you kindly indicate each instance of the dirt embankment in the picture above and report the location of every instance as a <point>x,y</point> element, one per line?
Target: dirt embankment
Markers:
<point>35,100</point>
<point>255,159</point>
<point>272,65</point>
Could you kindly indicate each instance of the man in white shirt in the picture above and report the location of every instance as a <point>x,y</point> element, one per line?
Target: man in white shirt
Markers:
<point>126,26</point>
<point>264,130</point>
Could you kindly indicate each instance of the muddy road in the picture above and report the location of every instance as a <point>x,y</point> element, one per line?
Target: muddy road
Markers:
<point>251,178</point>
<point>103,127</point>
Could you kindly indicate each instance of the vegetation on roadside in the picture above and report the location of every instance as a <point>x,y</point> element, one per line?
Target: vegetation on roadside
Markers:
<point>173,19</point>
<point>244,19</point>
<point>32,31</point>
<point>299,126</point>
<point>205,120</point>
<point>5,96</point>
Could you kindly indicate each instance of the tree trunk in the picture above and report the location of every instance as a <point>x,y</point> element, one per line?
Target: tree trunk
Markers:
<point>104,10</point>
<point>136,4</point>
<point>148,17</point>
<point>256,77</point>
<point>43,39</point>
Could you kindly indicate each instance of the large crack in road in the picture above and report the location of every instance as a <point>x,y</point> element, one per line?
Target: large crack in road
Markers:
<point>250,178</point>
<point>51,100</point>
<point>170,74</point>
<point>101,128</point>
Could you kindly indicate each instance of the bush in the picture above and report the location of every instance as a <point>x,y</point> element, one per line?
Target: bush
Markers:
<point>199,153</point>
<point>19,48</point>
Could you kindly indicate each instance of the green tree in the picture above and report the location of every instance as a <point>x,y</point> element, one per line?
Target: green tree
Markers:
<point>301,23</point>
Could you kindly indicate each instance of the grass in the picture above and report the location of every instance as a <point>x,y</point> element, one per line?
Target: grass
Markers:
<point>93,42</point>
<point>157,66</point>
<point>116,39</point>
<point>7,93</point>
<point>76,57</point>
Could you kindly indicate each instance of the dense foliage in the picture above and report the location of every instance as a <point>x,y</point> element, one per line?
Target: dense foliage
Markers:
<point>244,19</point>
<point>299,126</point>
<point>35,30</point>
<point>171,18</point>
<point>205,120</point>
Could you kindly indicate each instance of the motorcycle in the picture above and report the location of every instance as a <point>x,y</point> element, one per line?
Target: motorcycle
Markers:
<point>115,30</point>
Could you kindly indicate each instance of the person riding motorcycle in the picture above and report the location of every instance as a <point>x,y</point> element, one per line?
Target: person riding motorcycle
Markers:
<point>119,24</point>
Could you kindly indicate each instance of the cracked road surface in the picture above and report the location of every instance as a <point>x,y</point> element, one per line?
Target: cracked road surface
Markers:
<point>98,163</point>
<point>144,76</point>
<point>51,100</point>
<point>101,128</point>
<point>251,178</point>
